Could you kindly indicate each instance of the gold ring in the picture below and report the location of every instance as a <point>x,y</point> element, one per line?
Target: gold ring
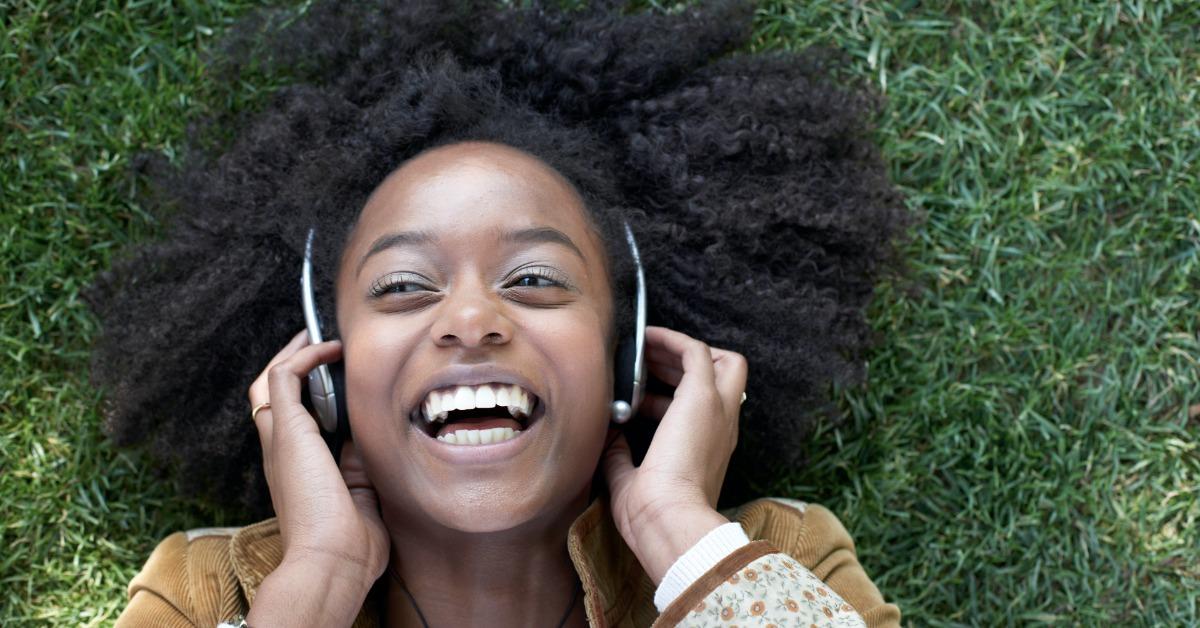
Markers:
<point>743,397</point>
<point>266,405</point>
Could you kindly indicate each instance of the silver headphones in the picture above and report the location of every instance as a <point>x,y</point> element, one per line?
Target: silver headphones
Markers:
<point>631,352</point>
<point>326,383</point>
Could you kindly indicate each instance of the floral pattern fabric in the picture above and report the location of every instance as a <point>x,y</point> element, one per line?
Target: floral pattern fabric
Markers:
<point>773,590</point>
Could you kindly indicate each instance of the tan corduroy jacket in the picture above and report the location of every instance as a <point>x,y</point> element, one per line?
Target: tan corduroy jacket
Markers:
<point>203,577</point>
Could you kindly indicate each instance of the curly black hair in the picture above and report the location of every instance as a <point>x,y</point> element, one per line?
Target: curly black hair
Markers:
<point>759,199</point>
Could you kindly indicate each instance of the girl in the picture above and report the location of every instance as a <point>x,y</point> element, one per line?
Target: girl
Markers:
<point>468,176</point>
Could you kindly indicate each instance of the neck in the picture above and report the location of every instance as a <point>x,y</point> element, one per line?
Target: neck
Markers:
<point>518,577</point>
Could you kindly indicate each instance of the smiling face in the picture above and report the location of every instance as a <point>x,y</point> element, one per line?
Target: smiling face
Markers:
<point>474,277</point>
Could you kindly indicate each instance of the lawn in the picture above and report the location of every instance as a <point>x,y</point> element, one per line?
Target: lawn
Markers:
<point>1026,450</point>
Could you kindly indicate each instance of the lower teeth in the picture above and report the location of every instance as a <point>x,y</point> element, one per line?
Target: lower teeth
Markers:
<point>479,437</point>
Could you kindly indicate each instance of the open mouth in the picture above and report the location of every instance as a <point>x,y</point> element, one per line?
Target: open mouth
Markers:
<point>477,415</point>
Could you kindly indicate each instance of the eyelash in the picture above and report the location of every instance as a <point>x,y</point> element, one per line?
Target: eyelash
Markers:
<point>556,279</point>
<point>388,283</point>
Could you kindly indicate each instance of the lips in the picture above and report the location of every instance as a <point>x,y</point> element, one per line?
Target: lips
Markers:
<point>477,414</point>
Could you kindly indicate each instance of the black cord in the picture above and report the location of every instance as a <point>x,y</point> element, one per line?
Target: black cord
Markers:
<point>413,601</point>
<point>425,624</point>
<point>570,607</point>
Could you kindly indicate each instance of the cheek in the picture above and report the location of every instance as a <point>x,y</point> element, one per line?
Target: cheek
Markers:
<point>375,351</point>
<point>576,349</point>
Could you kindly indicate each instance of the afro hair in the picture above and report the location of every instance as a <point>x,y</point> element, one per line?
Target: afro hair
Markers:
<point>758,196</point>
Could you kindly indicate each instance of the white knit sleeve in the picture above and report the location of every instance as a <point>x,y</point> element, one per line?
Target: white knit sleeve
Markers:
<point>704,555</point>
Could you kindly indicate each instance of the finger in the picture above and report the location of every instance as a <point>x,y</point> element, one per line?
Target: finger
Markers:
<point>664,357</point>
<point>293,345</point>
<point>731,373</point>
<point>284,379</point>
<point>695,422</point>
<point>263,423</point>
<point>618,465</point>
<point>260,390</point>
<point>694,356</point>
<point>654,406</point>
<point>668,374</point>
<point>696,388</point>
<point>362,492</point>
<point>354,472</point>
<point>292,434</point>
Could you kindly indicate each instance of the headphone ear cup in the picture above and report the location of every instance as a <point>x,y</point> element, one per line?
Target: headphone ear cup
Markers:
<point>623,367</point>
<point>335,439</point>
<point>639,434</point>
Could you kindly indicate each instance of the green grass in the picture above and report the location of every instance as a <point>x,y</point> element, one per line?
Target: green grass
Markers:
<point>1023,453</point>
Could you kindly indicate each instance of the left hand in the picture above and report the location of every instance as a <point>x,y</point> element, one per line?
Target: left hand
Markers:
<point>663,507</point>
<point>335,545</point>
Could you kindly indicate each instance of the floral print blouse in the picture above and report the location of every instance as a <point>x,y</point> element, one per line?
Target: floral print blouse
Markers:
<point>773,590</point>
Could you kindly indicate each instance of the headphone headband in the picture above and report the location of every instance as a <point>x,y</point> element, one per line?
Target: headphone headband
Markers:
<point>631,367</point>
<point>321,389</point>
<point>625,405</point>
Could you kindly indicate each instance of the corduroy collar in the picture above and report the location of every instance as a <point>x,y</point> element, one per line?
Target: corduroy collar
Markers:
<point>617,592</point>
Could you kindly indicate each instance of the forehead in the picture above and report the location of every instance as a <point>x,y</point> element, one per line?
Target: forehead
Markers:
<point>473,187</point>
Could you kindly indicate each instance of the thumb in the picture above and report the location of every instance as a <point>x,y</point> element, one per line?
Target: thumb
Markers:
<point>355,475</point>
<point>618,465</point>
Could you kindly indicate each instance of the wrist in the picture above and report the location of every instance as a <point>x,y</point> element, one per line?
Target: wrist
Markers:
<point>305,592</point>
<point>661,542</point>
<point>719,544</point>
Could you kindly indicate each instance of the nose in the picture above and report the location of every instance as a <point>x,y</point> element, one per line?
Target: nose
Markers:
<point>471,318</point>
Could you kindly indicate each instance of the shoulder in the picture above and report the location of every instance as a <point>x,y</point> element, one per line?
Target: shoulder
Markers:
<point>806,531</point>
<point>200,576</point>
<point>815,538</point>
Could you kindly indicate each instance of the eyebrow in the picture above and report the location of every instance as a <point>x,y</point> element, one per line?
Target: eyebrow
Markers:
<point>391,241</point>
<point>532,235</point>
<point>539,235</point>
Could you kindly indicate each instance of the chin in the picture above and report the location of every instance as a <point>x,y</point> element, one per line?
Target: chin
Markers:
<point>498,506</point>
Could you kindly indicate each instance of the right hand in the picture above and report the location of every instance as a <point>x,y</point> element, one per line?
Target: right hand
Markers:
<point>334,539</point>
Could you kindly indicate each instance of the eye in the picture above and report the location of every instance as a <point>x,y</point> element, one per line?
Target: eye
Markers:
<point>533,281</point>
<point>399,286</point>
<point>400,283</point>
<point>537,278</point>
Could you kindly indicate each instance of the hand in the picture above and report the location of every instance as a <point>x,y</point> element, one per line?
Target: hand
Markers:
<point>663,507</point>
<point>334,542</point>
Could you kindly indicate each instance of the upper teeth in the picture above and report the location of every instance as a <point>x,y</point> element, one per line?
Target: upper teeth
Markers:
<point>439,403</point>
